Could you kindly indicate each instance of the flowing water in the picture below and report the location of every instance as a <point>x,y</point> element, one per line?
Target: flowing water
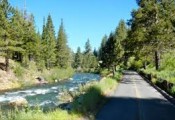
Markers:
<point>48,95</point>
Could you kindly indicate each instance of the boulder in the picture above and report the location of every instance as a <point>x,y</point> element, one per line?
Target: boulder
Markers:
<point>18,102</point>
<point>41,81</point>
<point>40,78</point>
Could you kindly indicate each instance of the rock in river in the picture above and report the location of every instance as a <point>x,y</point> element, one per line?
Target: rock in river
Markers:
<point>18,102</point>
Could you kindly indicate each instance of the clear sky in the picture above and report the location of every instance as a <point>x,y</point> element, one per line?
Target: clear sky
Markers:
<point>83,19</point>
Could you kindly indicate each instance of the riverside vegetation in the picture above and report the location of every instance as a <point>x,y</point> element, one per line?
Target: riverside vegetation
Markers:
<point>86,101</point>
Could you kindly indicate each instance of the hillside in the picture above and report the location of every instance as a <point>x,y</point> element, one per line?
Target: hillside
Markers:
<point>7,80</point>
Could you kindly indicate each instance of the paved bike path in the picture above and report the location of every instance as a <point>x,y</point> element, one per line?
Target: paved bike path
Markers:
<point>135,99</point>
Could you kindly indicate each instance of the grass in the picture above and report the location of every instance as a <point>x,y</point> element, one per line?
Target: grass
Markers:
<point>94,97</point>
<point>165,73</point>
<point>39,115</point>
<point>167,65</point>
<point>57,74</point>
<point>104,72</point>
<point>21,77</point>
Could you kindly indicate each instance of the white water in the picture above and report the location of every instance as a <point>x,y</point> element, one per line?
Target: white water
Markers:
<point>48,95</point>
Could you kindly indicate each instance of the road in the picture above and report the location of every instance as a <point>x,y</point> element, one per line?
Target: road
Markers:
<point>135,99</point>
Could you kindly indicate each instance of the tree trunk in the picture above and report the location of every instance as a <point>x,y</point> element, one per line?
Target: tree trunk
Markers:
<point>113,70</point>
<point>7,54</point>
<point>145,63</point>
<point>157,60</point>
<point>7,63</point>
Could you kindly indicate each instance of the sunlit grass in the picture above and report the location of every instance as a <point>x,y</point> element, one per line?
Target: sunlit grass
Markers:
<point>57,74</point>
<point>94,97</point>
<point>39,115</point>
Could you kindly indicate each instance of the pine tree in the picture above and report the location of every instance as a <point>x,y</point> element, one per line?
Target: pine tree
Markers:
<point>152,27</point>
<point>49,43</point>
<point>43,44</point>
<point>39,57</point>
<point>110,46</point>
<point>95,53</point>
<point>4,37</point>
<point>62,50</point>
<point>7,8</point>
<point>29,40</point>
<point>89,60</point>
<point>102,51</point>
<point>78,58</point>
<point>9,43</point>
<point>119,37</point>
<point>17,33</point>
<point>88,48</point>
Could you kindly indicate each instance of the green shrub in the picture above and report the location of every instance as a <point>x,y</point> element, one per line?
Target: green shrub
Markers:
<point>93,97</point>
<point>130,62</point>
<point>134,64</point>
<point>41,65</point>
<point>90,99</point>
<point>104,72</point>
<point>57,74</point>
<point>138,64</point>
<point>173,90</point>
<point>168,61</point>
<point>18,70</point>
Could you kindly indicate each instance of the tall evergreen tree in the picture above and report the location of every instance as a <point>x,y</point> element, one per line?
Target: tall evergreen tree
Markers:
<point>49,43</point>
<point>95,53</point>
<point>119,37</point>
<point>102,51</point>
<point>29,40</point>
<point>109,51</point>
<point>39,57</point>
<point>62,50</point>
<point>8,42</point>
<point>78,58</point>
<point>6,8</point>
<point>4,36</point>
<point>88,48</point>
<point>89,60</point>
<point>152,27</point>
<point>17,33</point>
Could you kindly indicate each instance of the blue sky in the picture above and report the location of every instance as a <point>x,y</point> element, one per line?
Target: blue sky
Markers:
<point>83,19</point>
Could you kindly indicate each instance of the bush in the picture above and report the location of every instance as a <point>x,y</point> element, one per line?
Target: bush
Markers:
<point>104,72</point>
<point>173,91</point>
<point>90,99</point>
<point>134,64</point>
<point>93,97</point>
<point>57,74</point>
<point>168,61</point>
<point>18,70</point>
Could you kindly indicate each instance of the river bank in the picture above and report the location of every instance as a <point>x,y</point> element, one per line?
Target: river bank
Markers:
<point>19,77</point>
<point>48,95</point>
<point>85,103</point>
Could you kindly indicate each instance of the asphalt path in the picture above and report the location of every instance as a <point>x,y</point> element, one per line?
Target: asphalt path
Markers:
<point>135,99</point>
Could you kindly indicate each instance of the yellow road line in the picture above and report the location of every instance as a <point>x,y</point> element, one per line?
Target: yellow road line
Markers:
<point>136,90</point>
<point>138,96</point>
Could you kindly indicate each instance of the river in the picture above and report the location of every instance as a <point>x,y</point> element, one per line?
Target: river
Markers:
<point>48,95</point>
